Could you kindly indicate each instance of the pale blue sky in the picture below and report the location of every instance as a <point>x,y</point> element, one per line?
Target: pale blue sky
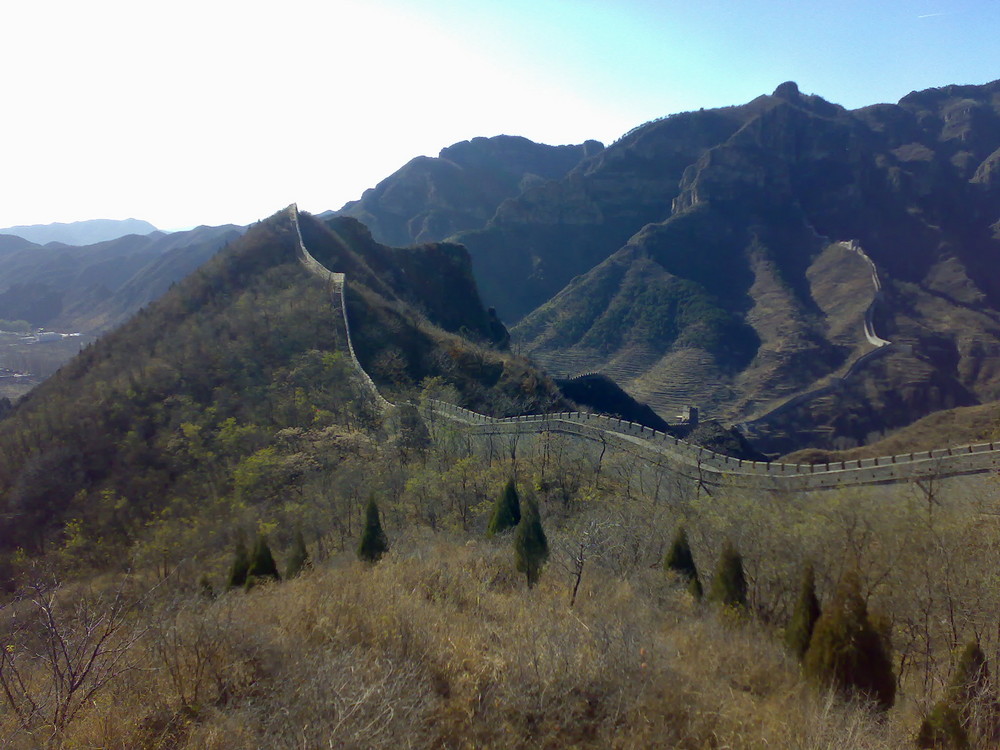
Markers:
<point>213,111</point>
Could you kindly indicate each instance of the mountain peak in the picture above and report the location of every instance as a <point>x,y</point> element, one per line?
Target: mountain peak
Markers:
<point>789,91</point>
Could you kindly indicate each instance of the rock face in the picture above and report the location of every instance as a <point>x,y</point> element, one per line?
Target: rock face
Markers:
<point>750,293</point>
<point>754,260</point>
<point>430,199</point>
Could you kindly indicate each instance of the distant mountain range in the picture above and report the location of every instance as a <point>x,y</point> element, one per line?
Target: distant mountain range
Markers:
<point>725,258</point>
<point>80,232</point>
<point>823,277</point>
<point>95,287</point>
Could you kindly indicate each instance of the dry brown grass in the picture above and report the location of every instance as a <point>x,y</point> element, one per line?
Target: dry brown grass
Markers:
<point>441,645</point>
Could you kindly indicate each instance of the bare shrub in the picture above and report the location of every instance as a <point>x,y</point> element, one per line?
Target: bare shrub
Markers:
<point>58,652</point>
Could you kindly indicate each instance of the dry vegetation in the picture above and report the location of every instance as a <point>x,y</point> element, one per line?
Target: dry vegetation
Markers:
<point>441,644</point>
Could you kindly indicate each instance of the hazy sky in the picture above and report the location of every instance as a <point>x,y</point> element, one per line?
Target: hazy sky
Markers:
<point>210,111</point>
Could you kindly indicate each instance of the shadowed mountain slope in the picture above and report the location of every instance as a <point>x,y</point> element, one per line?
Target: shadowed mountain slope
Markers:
<point>751,259</point>
<point>774,248</point>
<point>95,287</point>
<point>430,199</point>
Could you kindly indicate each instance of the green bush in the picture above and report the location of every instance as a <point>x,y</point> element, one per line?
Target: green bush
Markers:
<point>807,611</point>
<point>373,541</point>
<point>847,652</point>
<point>506,511</point>
<point>729,587</point>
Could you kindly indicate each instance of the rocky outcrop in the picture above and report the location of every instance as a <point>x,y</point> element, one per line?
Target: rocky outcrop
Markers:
<point>699,258</point>
<point>751,226</point>
<point>430,199</point>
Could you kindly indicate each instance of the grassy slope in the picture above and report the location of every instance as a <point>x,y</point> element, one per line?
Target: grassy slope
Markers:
<point>440,645</point>
<point>961,426</point>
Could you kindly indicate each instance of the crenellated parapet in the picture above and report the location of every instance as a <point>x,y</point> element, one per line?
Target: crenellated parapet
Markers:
<point>674,454</point>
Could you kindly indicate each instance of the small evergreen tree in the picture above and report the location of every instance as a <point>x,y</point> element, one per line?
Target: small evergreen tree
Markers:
<point>945,726</point>
<point>262,563</point>
<point>373,541</point>
<point>506,511</point>
<point>680,560</point>
<point>972,675</point>
<point>298,557</point>
<point>729,587</point>
<point>942,729</point>
<point>531,548</point>
<point>846,651</point>
<point>241,565</point>
<point>807,611</point>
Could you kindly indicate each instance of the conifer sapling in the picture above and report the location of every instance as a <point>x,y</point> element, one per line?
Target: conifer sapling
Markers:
<point>847,652</point>
<point>729,586</point>
<point>373,540</point>
<point>298,557</point>
<point>680,560</point>
<point>807,611</point>
<point>262,563</point>
<point>946,725</point>
<point>506,511</point>
<point>240,565</point>
<point>531,548</point>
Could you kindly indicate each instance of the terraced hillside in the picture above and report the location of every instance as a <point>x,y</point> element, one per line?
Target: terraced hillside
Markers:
<point>660,452</point>
<point>727,258</point>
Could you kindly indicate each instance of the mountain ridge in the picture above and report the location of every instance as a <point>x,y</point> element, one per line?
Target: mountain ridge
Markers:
<point>85,232</point>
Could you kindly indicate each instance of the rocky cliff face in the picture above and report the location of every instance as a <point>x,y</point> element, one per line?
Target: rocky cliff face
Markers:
<point>430,199</point>
<point>751,260</point>
<point>749,295</point>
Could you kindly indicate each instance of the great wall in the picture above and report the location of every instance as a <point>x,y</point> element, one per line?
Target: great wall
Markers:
<point>664,452</point>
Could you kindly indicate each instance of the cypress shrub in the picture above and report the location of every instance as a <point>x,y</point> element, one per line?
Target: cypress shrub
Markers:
<point>373,541</point>
<point>729,587</point>
<point>942,728</point>
<point>298,557</point>
<point>531,548</point>
<point>972,674</point>
<point>847,653</point>
<point>506,511</point>
<point>680,560</point>
<point>945,726</point>
<point>807,611</point>
<point>241,565</point>
<point>262,563</point>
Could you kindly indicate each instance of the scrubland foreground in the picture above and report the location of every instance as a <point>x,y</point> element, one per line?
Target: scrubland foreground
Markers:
<point>442,644</point>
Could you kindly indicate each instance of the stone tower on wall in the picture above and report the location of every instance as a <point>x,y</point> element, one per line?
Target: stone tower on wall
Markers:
<point>688,416</point>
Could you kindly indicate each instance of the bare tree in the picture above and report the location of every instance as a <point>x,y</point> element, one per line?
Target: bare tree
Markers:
<point>57,654</point>
<point>573,551</point>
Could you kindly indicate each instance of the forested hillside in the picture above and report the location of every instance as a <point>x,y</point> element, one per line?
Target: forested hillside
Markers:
<point>185,410</point>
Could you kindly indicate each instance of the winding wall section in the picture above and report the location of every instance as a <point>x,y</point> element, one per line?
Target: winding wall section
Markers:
<point>666,451</point>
